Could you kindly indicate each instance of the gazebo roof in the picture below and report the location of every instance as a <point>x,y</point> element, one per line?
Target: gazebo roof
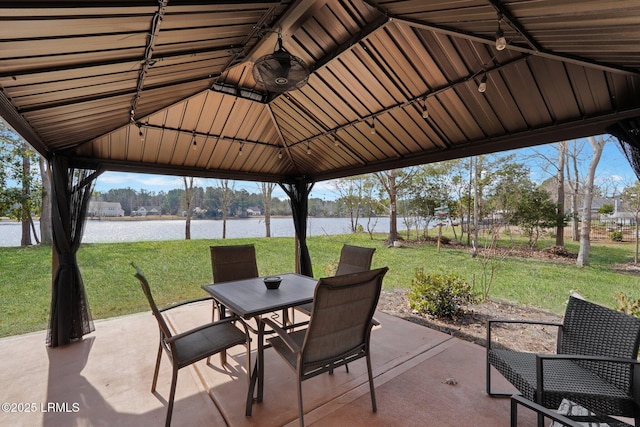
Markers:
<point>130,85</point>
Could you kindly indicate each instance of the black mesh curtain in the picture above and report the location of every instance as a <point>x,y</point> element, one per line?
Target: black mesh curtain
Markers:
<point>298,191</point>
<point>628,133</point>
<point>71,190</point>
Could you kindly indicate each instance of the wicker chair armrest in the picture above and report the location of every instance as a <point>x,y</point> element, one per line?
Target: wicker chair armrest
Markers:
<point>171,307</point>
<point>622,360</point>
<point>207,325</point>
<point>541,358</point>
<point>293,346</point>
<point>491,322</point>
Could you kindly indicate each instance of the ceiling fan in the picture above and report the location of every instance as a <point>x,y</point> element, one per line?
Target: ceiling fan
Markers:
<point>280,71</point>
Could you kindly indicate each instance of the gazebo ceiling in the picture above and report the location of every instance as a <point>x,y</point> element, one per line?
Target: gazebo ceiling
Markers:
<point>131,84</point>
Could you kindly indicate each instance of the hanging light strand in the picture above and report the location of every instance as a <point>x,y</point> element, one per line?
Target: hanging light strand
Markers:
<point>501,41</point>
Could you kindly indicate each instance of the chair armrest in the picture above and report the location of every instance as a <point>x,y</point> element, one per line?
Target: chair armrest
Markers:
<point>293,346</point>
<point>491,322</point>
<point>205,326</point>
<point>552,415</point>
<point>185,303</point>
<point>541,358</point>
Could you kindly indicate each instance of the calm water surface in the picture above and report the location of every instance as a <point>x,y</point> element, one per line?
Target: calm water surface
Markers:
<point>97,231</point>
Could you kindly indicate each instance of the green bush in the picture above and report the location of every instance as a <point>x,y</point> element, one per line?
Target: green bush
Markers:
<point>440,295</point>
<point>627,305</point>
<point>616,236</point>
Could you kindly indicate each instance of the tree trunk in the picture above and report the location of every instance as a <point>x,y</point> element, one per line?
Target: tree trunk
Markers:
<point>562,150</point>
<point>585,231</point>
<point>188,195</point>
<point>46,232</point>
<point>393,210</point>
<point>575,234</point>
<point>26,195</point>
<point>267,191</point>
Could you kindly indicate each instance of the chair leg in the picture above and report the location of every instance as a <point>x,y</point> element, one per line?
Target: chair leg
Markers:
<point>300,410</point>
<point>172,395</point>
<point>372,389</point>
<point>155,373</point>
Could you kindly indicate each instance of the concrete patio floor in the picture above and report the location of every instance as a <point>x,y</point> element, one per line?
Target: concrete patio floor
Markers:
<point>422,378</point>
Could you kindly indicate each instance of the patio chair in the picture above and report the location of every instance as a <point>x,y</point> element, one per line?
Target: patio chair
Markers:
<point>193,345</point>
<point>594,365</point>
<point>353,259</point>
<point>339,330</point>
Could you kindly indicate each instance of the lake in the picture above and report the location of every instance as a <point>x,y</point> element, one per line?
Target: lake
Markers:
<point>105,231</point>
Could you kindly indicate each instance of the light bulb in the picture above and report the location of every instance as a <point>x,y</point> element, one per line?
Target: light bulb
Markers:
<point>240,151</point>
<point>425,111</point>
<point>280,154</point>
<point>373,127</point>
<point>194,145</point>
<point>483,84</point>
<point>501,42</point>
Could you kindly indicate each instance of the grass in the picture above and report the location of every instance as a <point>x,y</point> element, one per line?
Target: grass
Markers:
<point>176,269</point>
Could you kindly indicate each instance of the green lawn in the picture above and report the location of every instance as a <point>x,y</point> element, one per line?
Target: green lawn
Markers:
<point>176,269</point>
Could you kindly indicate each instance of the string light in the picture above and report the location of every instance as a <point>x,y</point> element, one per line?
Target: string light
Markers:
<point>425,110</point>
<point>280,154</point>
<point>308,149</point>
<point>373,126</point>
<point>501,42</point>
<point>482,87</point>
<point>195,143</point>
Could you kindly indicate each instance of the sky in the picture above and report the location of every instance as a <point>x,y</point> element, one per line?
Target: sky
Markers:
<point>613,174</point>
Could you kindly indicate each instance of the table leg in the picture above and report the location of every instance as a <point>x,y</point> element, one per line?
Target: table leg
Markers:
<point>257,375</point>
<point>260,361</point>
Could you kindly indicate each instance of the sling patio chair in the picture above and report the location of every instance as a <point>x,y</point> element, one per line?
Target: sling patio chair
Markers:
<point>595,365</point>
<point>193,345</point>
<point>232,262</point>
<point>353,259</point>
<point>339,330</point>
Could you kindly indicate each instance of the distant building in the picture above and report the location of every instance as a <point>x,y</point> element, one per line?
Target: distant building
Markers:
<point>254,211</point>
<point>105,209</point>
<point>145,211</point>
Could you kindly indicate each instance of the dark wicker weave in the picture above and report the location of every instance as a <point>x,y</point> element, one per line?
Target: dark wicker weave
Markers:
<point>594,365</point>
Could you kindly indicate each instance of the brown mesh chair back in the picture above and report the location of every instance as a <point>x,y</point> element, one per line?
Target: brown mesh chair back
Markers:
<point>354,259</point>
<point>234,262</point>
<point>339,330</point>
<point>343,307</point>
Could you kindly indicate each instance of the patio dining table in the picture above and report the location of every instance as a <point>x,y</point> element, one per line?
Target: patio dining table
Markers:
<point>250,298</point>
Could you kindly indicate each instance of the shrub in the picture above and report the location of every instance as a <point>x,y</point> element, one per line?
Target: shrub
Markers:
<point>440,295</point>
<point>616,236</point>
<point>627,305</point>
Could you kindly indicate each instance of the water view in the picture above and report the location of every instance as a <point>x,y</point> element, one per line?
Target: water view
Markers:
<point>105,231</point>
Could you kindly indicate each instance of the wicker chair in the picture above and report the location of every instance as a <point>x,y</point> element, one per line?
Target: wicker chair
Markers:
<point>353,259</point>
<point>594,364</point>
<point>339,330</point>
<point>193,345</point>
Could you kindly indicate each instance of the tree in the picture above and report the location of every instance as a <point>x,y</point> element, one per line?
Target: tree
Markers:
<point>597,145</point>
<point>46,230</point>
<point>631,196</point>
<point>267,191</point>
<point>188,198</point>
<point>394,182</point>
<point>535,211</point>
<point>20,192</point>
<point>350,190</point>
<point>225,202</point>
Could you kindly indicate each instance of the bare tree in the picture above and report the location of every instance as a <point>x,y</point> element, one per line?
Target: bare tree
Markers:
<point>188,198</point>
<point>597,145</point>
<point>562,152</point>
<point>394,181</point>
<point>225,202</point>
<point>573,180</point>
<point>267,191</point>
<point>46,232</point>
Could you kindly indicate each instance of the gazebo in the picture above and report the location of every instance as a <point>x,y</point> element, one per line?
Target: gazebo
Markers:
<point>300,91</point>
